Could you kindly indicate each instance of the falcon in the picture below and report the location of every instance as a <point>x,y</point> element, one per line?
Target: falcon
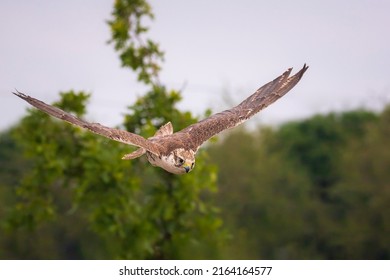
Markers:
<point>175,152</point>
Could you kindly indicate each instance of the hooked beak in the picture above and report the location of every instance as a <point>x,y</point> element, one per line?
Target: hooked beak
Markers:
<point>187,169</point>
<point>188,166</point>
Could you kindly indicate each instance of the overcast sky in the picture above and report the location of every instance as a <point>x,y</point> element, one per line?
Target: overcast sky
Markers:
<point>214,50</point>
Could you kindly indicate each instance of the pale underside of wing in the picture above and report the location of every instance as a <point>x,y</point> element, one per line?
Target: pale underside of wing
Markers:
<point>111,133</point>
<point>263,97</point>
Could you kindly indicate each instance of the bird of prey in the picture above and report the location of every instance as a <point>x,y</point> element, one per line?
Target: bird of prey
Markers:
<point>175,152</point>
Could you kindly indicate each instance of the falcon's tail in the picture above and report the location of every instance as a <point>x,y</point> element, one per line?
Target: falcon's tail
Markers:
<point>135,154</point>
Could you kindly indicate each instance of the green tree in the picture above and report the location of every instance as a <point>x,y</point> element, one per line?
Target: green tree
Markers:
<point>136,211</point>
<point>315,144</point>
<point>265,198</point>
<point>316,188</point>
<point>363,194</point>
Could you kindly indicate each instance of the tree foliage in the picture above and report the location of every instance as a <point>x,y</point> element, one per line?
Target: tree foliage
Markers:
<point>316,188</point>
<point>135,210</point>
<point>141,54</point>
<point>363,194</point>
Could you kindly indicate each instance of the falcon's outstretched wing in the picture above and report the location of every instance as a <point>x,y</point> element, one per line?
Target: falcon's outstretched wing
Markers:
<point>111,133</point>
<point>264,96</point>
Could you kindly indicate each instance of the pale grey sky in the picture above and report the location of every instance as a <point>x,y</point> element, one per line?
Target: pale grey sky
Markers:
<point>212,47</point>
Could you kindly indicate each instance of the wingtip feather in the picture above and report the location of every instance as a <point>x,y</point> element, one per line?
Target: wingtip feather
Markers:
<point>20,94</point>
<point>302,71</point>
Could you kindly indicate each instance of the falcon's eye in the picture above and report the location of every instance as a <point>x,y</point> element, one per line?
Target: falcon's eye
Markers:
<point>181,161</point>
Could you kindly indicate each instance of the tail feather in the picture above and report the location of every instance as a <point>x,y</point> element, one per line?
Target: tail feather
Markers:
<point>134,154</point>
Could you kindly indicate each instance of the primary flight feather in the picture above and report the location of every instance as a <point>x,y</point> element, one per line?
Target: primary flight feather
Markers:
<point>175,152</point>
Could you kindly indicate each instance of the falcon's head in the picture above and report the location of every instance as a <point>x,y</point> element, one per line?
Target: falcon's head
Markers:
<point>179,161</point>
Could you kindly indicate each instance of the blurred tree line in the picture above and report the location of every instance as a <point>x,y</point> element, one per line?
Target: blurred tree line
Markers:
<point>317,188</point>
<point>312,189</point>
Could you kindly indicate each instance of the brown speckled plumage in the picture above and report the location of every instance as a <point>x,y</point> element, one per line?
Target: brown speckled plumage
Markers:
<point>175,152</point>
